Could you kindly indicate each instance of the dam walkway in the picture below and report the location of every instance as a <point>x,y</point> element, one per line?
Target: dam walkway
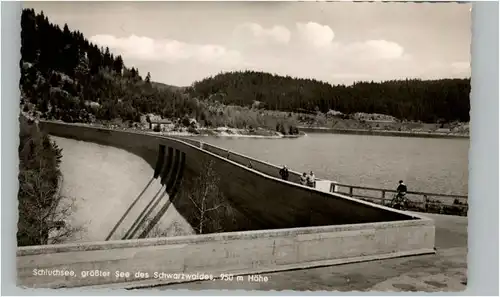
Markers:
<point>444,271</point>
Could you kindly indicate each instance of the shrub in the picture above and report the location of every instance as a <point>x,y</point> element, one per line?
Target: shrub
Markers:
<point>193,130</point>
<point>186,122</point>
<point>282,129</point>
<point>294,130</point>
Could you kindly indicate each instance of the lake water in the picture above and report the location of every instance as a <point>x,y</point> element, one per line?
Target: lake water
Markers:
<point>425,164</point>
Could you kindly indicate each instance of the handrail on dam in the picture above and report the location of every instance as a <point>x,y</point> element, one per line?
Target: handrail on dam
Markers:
<point>384,191</point>
<point>418,198</point>
<point>270,169</point>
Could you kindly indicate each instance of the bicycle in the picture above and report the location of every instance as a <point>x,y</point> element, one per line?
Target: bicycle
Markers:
<point>399,201</point>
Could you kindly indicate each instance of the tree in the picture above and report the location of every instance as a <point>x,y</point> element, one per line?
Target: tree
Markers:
<point>210,207</point>
<point>175,229</point>
<point>82,69</point>
<point>43,210</point>
<point>118,64</point>
<point>148,78</point>
<point>28,35</point>
<point>107,59</point>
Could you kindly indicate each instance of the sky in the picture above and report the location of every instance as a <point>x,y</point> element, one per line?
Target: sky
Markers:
<point>336,42</point>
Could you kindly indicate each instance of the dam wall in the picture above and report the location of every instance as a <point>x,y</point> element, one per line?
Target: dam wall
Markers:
<point>224,253</point>
<point>304,227</point>
<point>269,202</point>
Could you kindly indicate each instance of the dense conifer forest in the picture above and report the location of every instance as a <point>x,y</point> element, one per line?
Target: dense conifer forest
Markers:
<point>64,76</point>
<point>414,100</point>
<point>67,77</point>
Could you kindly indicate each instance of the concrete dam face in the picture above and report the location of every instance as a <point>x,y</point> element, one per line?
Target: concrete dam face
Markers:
<point>262,202</point>
<point>103,182</point>
<point>270,224</point>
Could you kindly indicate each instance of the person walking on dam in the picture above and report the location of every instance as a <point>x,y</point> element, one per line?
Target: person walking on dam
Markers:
<point>303,179</point>
<point>311,179</point>
<point>284,173</point>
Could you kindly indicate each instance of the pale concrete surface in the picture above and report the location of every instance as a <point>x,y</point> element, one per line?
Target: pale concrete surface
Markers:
<point>104,182</point>
<point>215,254</point>
<point>445,271</point>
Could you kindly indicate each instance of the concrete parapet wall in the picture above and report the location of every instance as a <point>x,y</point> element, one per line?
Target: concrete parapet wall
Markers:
<point>261,166</point>
<point>265,167</point>
<point>190,141</point>
<point>224,253</point>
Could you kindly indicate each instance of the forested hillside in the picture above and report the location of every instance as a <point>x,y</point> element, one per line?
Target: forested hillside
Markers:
<point>64,76</point>
<point>67,77</point>
<point>414,100</point>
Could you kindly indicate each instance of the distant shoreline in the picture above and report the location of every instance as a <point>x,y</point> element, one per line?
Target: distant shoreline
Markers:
<point>210,132</point>
<point>382,133</point>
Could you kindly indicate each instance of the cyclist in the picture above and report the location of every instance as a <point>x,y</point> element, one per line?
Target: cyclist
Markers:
<point>401,193</point>
<point>402,189</point>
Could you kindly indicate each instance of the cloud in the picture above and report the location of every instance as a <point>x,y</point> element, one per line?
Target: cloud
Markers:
<point>259,34</point>
<point>311,51</point>
<point>167,50</point>
<point>322,38</point>
<point>315,34</point>
<point>373,49</point>
<point>384,49</point>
